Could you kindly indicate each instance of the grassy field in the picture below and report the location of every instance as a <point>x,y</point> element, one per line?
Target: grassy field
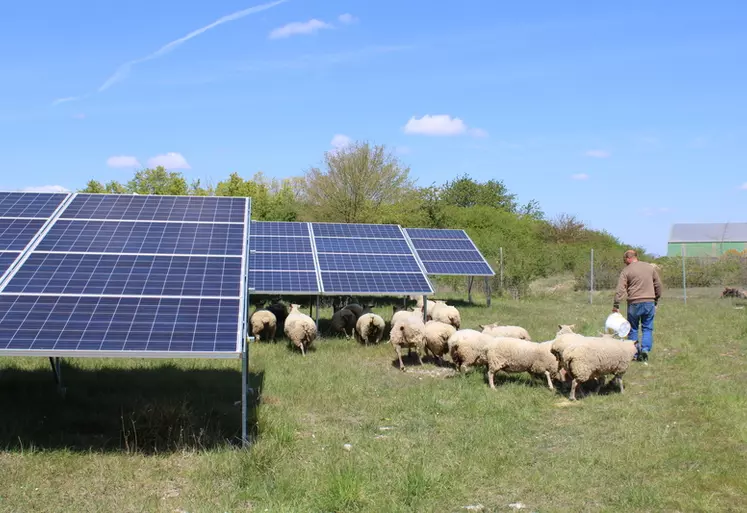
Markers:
<point>145,435</point>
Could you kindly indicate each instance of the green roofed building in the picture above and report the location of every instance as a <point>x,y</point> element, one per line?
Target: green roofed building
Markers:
<point>706,239</point>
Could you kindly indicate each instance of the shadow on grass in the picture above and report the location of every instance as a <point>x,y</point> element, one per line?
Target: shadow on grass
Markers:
<point>145,410</point>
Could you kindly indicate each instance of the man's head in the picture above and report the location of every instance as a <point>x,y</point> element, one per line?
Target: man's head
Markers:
<point>630,256</point>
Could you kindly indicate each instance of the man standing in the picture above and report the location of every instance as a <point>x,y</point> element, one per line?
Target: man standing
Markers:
<point>640,282</point>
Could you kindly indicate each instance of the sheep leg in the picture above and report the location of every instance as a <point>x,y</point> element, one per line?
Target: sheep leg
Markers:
<point>572,397</point>
<point>491,381</point>
<point>303,352</point>
<point>420,358</point>
<point>549,380</point>
<point>272,333</point>
<point>619,380</point>
<point>399,355</point>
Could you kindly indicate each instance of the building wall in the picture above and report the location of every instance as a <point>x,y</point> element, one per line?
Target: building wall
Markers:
<point>704,249</point>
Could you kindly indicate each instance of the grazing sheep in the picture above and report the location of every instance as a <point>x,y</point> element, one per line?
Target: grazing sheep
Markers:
<point>429,304</point>
<point>468,348</point>
<point>263,322</point>
<point>401,315</point>
<point>437,338</point>
<point>369,329</point>
<point>597,358</point>
<point>409,333</point>
<point>300,329</point>
<point>496,330</point>
<point>733,292</point>
<point>343,321</point>
<point>519,355</point>
<point>355,308</point>
<point>280,311</point>
<point>446,313</point>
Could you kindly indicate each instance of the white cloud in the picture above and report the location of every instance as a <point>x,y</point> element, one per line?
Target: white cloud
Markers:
<point>299,28</point>
<point>478,132</point>
<point>743,186</point>
<point>65,100</point>
<point>439,124</point>
<point>347,19</point>
<point>580,176</point>
<point>46,188</point>
<point>340,141</point>
<point>599,154</point>
<point>122,161</point>
<point>169,161</point>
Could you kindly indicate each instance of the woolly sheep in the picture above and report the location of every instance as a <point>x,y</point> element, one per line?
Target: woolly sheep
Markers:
<point>467,348</point>
<point>430,306</point>
<point>519,355</point>
<point>300,329</point>
<point>263,322</point>
<point>403,315</point>
<point>496,330</point>
<point>369,328</point>
<point>597,358</point>
<point>446,313</point>
<point>409,333</point>
<point>355,308</point>
<point>343,321</point>
<point>437,338</point>
<point>279,310</point>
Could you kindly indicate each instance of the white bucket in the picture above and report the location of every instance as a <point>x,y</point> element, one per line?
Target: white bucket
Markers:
<point>617,324</point>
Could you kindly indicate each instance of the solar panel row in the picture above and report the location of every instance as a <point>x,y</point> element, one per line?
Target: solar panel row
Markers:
<point>449,252</point>
<point>125,275</point>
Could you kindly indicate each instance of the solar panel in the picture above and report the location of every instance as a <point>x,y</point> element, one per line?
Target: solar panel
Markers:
<point>40,205</point>
<point>367,259</point>
<point>281,258</point>
<point>15,234</point>
<point>448,252</point>
<point>210,209</point>
<point>6,260</point>
<point>145,237</point>
<point>118,275</point>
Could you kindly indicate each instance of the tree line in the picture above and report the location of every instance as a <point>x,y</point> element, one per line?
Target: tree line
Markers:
<point>364,183</point>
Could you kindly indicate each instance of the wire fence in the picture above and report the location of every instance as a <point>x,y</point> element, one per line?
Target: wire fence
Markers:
<point>598,273</point>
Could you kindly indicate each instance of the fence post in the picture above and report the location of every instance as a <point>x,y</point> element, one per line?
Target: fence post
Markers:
<point>684,274</point>
<point>591,279</point>
<point>501,282</point>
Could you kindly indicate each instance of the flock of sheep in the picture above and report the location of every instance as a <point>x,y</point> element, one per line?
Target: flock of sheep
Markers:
<point>569,357</point>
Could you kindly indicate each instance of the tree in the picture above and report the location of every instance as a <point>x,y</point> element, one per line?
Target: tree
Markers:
<point>94,187</point>
<point>256,188</point>
<point>356,184</point>
<point>158,181</point>
<point>466,192</point>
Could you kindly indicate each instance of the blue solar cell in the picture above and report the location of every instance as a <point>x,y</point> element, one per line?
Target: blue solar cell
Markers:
<point>282,261</point>
<point>29,204</point>
<point>348,262</point>
<point>435,233</point>
<point>285,229</point>
<point>375,283</point>
<point>282,244</point>
<point>144,237</point>
<point>283,281</point>
<point>118,324</point>
<point>358,246</point>
<point>15,234</point>
<point>449,256</point>
<point>6,260</point>
<point>211,209</point>
<point>54,273</point>
<point>456,268</point>
<point>385,231</point>
<point>442,244</point>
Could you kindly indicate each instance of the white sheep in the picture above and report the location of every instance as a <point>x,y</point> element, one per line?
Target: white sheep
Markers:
<point>409,333</point>
<point>263,322</point>
<point>446,313</point>
<point>300,328</point>
<point>437,338</point>
<point>519,355</point>
<point>429,304</point>
<point>497,330</point>
<point>468,348</point>
<point>597,358</point>
<point>369,328</point>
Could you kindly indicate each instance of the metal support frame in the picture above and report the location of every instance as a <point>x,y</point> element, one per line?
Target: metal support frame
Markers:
<point>318,302</point>
<point>245,395</point>
<point>488,298</point>
<point>470,281</point>
<point>425,308</point>
<point>56,364</point>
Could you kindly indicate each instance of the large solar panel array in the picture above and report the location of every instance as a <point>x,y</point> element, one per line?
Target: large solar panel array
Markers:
<point>120,275</point>
<point>22,216</point>
<point>449,252</point>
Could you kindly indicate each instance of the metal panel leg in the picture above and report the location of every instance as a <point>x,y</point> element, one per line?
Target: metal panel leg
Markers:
<point>56,364</point>
<point>244,396</point>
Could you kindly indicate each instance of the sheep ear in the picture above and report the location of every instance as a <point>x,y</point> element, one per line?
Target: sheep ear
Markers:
<point>481,326</point>
<point>560,326</point>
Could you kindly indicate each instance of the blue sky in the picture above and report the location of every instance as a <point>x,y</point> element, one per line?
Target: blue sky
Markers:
<point>630,115</point>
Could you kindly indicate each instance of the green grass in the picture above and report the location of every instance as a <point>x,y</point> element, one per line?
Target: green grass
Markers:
<point>148,435</point>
